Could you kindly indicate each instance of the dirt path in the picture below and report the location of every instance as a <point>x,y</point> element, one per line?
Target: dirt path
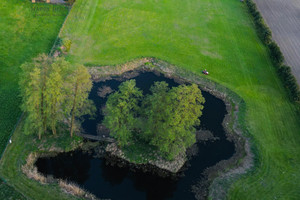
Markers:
<point>283,17</point>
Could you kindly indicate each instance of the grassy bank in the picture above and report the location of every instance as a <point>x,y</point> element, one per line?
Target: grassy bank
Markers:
<point>216,35</point>
<point>26,30</point>
<point>16,155</point>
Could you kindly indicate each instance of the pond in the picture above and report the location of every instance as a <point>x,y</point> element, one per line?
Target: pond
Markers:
<point>113,182</point>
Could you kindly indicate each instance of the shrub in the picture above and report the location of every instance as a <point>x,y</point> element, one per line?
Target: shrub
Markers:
<point>67,44</point>
<point>275,53</point>
<point>289,81</point>
<point>262,29</point>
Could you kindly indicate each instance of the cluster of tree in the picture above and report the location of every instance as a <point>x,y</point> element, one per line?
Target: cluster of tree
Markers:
<point>284,71</point>
<point>166,118</point>
<point>54,91</point>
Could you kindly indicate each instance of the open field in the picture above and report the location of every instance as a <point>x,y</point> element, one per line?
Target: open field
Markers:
<point>284,20</point>
<point>26,30</point>
<point>213,34</point>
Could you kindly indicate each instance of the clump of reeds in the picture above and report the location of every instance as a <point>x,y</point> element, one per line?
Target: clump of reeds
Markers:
<point>31,171</point>
<point>74,189</point>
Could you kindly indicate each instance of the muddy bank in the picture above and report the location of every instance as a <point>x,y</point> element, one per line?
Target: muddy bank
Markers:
<point>172,166</point>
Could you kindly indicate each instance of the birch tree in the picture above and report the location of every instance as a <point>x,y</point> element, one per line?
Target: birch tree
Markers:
<point>54,96</point>
<point>78,103</point>
<point>53,90</point>
<point>33,86</point>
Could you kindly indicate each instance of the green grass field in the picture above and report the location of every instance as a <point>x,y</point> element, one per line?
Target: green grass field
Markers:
<point>15,157</point>
<point>195,34</point>
<point>26,29</point>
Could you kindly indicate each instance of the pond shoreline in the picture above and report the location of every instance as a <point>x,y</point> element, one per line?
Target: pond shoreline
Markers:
<point>225,168</point>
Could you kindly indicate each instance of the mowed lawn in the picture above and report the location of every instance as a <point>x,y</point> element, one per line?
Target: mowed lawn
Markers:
<point>195,34</point>
<point>26,30</point>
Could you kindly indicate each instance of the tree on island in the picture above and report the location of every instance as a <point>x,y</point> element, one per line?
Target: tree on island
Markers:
<point>122,112</point>
<point>165,119</point>
<point>171,116</point>
<point>47,90</point>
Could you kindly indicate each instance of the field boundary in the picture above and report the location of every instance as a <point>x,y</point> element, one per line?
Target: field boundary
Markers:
<point>58,35</point>
<point>283,19</point>
<point>284,72</point>
<point>22,115</point>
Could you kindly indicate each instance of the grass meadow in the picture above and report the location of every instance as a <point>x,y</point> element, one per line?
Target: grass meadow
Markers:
<point>16,156</point>
<point>26,30</point>
<point>218,35</point>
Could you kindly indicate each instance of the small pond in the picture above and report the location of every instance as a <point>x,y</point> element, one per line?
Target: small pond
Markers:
<point>113,182</point>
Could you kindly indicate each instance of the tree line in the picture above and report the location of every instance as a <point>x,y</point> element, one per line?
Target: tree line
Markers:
<point>54,91</point>
<point>288,79</point>
<point>165,119</point>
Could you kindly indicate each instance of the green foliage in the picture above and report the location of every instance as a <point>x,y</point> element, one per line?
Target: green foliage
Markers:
<point>165,120</point>
<point>157,110</point>
<point>217,35</point>
<point>263,30</point>
<point>276,55</point>
<point>170,117</point>
<point>67,44</point>
<point>52,90</point>
<point>121,112</point>
<point>77,104</point>
<point>23,35</point>
<point>33,80</point>
<point>289,82</point>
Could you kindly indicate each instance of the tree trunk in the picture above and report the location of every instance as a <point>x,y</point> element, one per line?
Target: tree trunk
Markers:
<point>44,117</point>
<point>72,124</point>
<point>53,128</point>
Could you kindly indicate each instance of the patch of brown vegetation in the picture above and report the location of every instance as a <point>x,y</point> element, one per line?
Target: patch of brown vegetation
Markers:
<point>74,189</point>
<point>104,91</point>
<point>105,72</point>
<point>31,171</point>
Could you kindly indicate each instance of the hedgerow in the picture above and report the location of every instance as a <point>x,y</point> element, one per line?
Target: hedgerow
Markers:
<point>288,79</point>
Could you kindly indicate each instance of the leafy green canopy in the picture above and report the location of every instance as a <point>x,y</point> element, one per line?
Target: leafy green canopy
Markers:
<point>53,90</point>
<point>122,112</point>
<point>166,118</point>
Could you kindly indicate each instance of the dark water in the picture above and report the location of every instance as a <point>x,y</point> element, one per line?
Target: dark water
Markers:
<point>121,183</point>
